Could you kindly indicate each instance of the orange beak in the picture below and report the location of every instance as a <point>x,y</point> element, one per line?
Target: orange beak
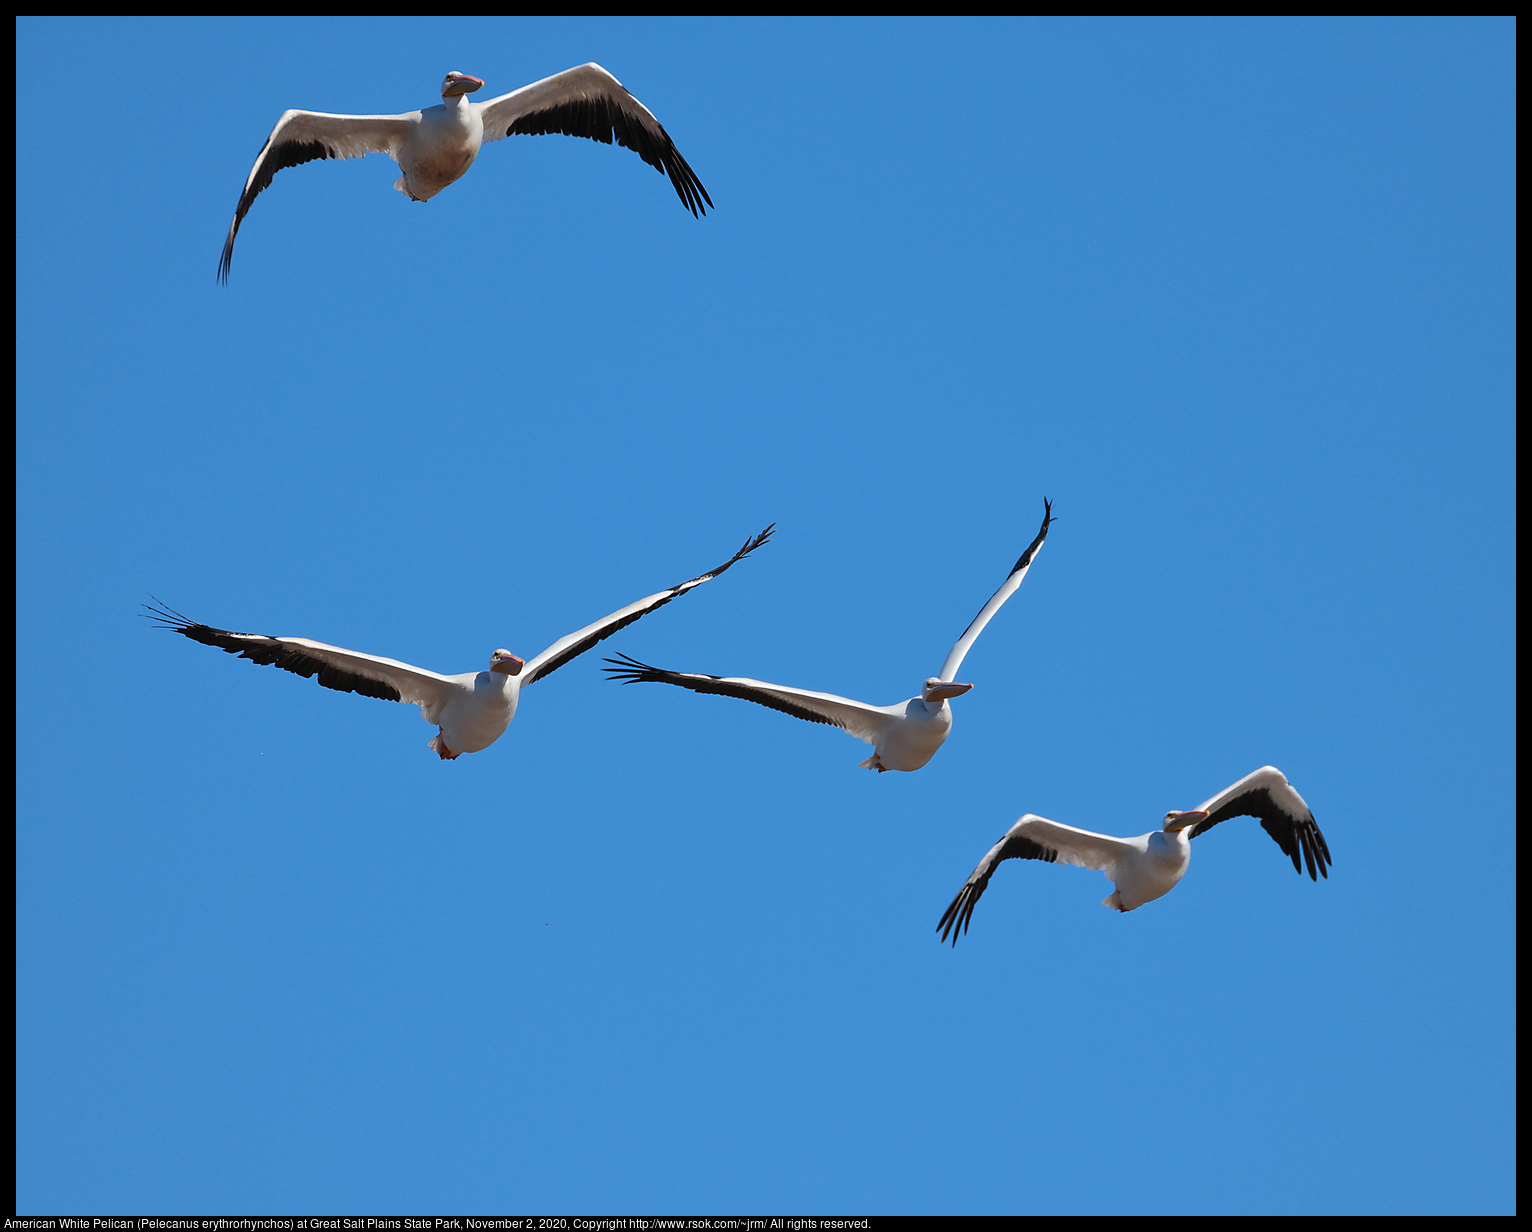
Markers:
<point>462,83</point>
<point>508,665</point>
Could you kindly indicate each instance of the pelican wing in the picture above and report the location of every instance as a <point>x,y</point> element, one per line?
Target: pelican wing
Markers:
<point>347,671</point>
<point>303,136</point>
<point>1007,589</point>
<point>861,720</point>
<point>1035,838</point>
<point>589,102</point>
<point>581,640</point>
<point>1268,795</point>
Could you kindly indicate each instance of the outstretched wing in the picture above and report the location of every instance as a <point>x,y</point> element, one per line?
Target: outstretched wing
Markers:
<point>1007,589</point>
<point>581,640</point>
<point>589,102</point>
<point>1268,795</point>
<point>861,720</point>
<point>347,671</point>
<point>303,136</point>
<point>1035,838</point>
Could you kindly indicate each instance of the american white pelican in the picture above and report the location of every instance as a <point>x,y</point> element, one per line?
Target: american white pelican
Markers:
<point>904,736</point>
<point>1147,867</point>
<point>436,146</point>
<point>472,709</point>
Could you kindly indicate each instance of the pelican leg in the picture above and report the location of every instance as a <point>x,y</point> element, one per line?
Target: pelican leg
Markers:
<point>442,751</point>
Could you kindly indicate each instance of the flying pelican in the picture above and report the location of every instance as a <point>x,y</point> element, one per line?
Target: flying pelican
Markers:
<point>472,709</point>
<point>436,146</point>
<point>1147,867</point>
<point>904,736</point>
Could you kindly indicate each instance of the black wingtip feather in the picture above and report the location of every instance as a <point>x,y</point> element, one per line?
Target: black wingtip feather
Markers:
<point>1026,557</point>
<point>167,616</point>
<point>749,546</point>
<point>626,669</point>
<point>960,911</point>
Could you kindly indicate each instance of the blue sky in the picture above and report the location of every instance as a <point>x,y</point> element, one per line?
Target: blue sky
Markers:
<point>1236,295</point>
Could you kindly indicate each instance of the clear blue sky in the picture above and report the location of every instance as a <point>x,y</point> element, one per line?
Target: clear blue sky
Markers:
<point>1236,295</point>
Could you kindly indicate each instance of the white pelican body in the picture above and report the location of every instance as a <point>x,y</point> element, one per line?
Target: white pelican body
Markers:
<point>436,146</point>
<point>1149,866</point>
<point>904,736</point>
<point>440,146</point>
<point>472,709</point>
<point>918,729</point>
<point>1158,860</point>
<point>475,713</point>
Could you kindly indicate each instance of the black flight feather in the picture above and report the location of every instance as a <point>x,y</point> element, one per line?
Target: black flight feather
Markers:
<point>288,154</point>
<point>270,652</point>
<point>1294,835</point>
<point>960,910</point>
<point>605,120</point>
<point>629,670</point>
<point>606,631</point>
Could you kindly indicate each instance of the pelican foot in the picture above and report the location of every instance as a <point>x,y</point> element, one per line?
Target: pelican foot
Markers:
<point>872,763</point>
<point>442,750</point>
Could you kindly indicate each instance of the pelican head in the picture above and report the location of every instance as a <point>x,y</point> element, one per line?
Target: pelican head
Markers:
<point>935,690</point>
<point>1180,821</point>
<point>459,83</point>
<point>507,664</point>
